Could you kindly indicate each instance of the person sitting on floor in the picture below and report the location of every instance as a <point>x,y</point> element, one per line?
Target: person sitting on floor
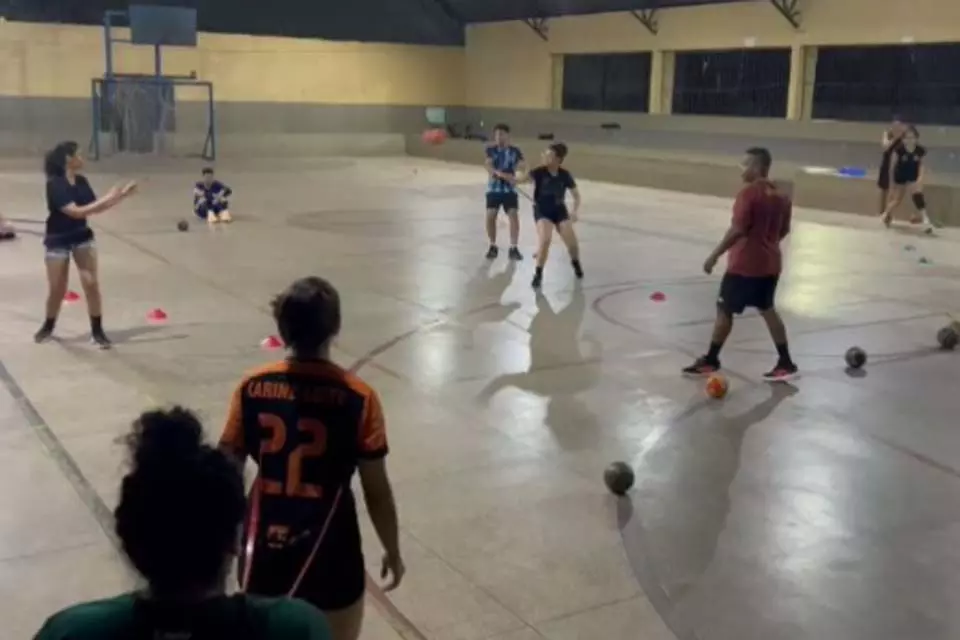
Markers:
<point>210,199</point>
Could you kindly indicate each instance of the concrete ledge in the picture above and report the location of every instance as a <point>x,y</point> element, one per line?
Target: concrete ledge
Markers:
<point>705,175</point>
<point>861,196</point>
<point>279,145</point>
<point>311,145</point>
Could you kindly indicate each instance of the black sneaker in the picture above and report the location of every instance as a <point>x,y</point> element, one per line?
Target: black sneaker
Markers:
<point>100,339</point>
<point>514,254</point>
<point>537,280</point>
<point>492,252</point>
<point>44,334</point>
<point>783,372</point>
<point>702,367</point>
<point>7,234</point>
<point>577,269</point>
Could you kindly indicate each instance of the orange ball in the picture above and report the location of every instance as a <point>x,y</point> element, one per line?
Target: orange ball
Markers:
<point>434,137</point>
<point>717,386</point>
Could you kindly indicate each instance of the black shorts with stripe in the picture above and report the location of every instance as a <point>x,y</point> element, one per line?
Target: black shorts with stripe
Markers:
<point>335,579</point>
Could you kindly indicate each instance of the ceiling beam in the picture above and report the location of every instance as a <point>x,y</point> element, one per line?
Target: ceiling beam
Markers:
<point>790,10</point>
<point>648,18</point>
<point>538,26</point>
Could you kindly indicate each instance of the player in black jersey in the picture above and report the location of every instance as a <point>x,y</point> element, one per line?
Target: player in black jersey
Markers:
<point>309,426</point>
<point>551,184</point>
<point>906,173</point>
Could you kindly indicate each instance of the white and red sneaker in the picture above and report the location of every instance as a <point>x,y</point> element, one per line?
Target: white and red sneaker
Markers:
<point>701,368</point>
<point>783,372</point>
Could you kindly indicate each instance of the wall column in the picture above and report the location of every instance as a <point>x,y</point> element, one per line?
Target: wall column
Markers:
<point>656,82</point>
<point>810,81</point>
<point>803,72</point>
<point>556,98</point>
<point>661,82</point>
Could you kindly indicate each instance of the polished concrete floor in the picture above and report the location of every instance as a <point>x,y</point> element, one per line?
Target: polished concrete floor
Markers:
<point>828,509</point>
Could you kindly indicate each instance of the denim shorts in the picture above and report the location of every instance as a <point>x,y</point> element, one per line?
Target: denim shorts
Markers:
<point>63,247</point>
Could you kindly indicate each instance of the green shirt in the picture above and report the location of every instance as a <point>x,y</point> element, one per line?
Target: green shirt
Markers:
<point>239,617</point>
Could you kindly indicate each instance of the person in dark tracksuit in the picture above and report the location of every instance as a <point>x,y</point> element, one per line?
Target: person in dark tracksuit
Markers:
<point>210,199</point>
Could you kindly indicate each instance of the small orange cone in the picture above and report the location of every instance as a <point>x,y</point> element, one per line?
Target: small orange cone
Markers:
<point>157,315</point>
<point>658,296</point>
<point>271,343</point>
<point>71,296</point>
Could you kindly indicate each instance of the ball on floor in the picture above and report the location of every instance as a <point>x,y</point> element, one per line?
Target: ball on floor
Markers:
<point>619,478</point>
<point>855,357</point>
<point>183,225</point>
<point>948,338</point>
<point>717,386</point>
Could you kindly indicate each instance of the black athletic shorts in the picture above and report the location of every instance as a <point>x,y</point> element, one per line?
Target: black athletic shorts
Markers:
<point>905,176</point>
<point>508,201</point>
<point>335,580</point>
<point>556,215</point>
<point>739,292</point>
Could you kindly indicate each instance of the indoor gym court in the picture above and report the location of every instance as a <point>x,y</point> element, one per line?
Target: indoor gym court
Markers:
<point>827,509</point>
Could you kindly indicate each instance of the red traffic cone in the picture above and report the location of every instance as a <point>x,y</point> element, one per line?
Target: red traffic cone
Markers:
<point>271,342</point>
<point>658,296</point>
<point>71,297</point>
<point>157,315</point>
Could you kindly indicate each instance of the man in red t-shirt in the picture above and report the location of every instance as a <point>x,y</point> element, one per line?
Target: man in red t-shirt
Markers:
<point>761,219</point>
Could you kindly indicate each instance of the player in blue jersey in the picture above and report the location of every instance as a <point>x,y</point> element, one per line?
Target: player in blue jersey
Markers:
<point>503,163</point>
<point>210,199</point>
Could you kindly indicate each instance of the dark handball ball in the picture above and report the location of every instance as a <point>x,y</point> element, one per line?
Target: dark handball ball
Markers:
<point>856,357</point>
<point>948,338</point>
<point>183,225</point>
<point>619,478</point>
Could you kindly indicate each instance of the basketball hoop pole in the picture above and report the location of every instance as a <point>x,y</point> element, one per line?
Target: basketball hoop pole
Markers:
<point>156,26</point>
<point>108,21</point>
<point>110,18</point>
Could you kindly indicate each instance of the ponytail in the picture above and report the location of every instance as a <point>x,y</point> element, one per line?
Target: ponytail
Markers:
<point>55,162</point>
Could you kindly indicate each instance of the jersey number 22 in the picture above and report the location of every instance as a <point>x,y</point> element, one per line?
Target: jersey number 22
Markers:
<point>293,486</point>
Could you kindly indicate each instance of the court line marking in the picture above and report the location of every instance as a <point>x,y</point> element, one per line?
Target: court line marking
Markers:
<point>67,464</point>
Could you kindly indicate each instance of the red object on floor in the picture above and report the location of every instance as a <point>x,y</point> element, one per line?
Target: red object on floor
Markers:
<point>157,315</point>
<point>272,342</point>
<point>658,296</point>
<point>434,137</point>
<point>71,296</point>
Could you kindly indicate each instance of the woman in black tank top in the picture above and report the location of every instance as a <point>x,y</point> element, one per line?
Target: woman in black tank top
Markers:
<point>906,174</point>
